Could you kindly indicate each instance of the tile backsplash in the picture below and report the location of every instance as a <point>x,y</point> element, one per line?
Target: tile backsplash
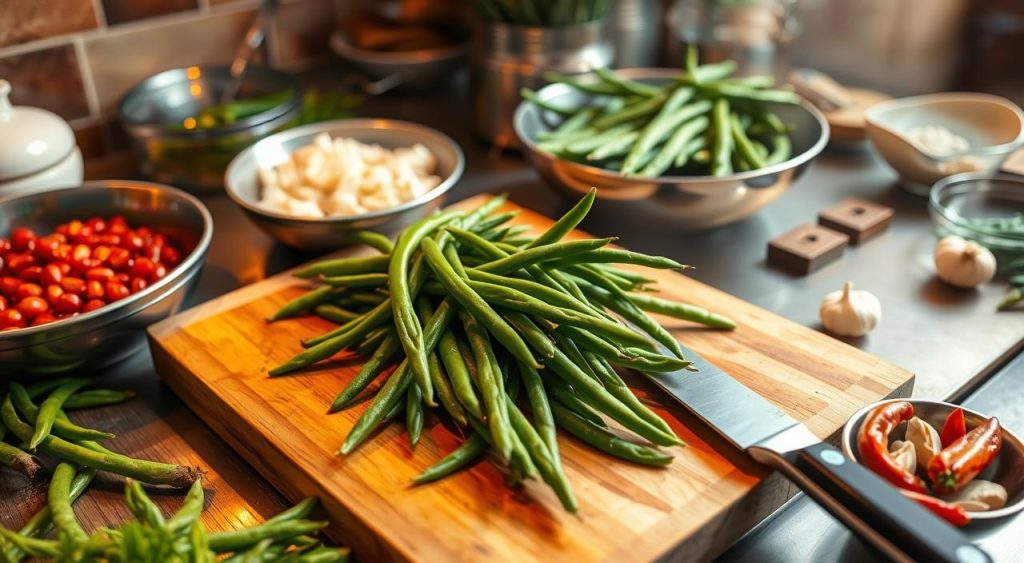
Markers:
<point>78,57</point>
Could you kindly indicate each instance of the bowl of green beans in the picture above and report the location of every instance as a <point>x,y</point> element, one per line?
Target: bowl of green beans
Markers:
<point>696,145</point>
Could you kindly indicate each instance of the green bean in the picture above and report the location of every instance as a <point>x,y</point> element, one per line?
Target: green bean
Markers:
<point>532,288</point>
<point>413,414</point>
<point>458,374</point>
<point>549,470</point>
<point>323,348</point>
<point>1011,299</point>
<point>494,221</point>
<point>357,280</point>
<point>671,115</point>
<point>97,398</point>
<point>45,387</point>
<point>147,471</point>
<point>238,540</point>
<point>372,298</point>
<point>61,426</point>
<point>568,221</point>
<point>463,456</point>
<point>22,544</point>
<point>543,253</point>
<point>619,256</point>
<point>476,306</point>
<point>781,149</point>
<point>565,396</point>
<point>639,110</point>
<point>59,501</point>
<point>617,146</point>
<point>625,85</point>
<point>744,148</point>
<point>304,303</point>
<point>712,72</point>
<point>49,409</point>
<point>587,87</point>
<point>190,509</point>
<point>583,384</point>
<point>573,124</point>
<point>670,153</point>
<point>722,137</point>
<point>588,143</point>
<point>632,357</point>
<point>532,97</point>
<point>541,409</point>
<point>346,266</point>
<point>614,384</point>
<point>374,240</point>
<point>390,394</point>
<point>741,92</point>
<point>410,333</point>
<point>335,314</point>
<point>682,311</point>
<point>16,459</point>
<point>40,522</point>
<point>607,442</point>
<point>141,506</point>
<point>300,511</point>
<point>490,383</point>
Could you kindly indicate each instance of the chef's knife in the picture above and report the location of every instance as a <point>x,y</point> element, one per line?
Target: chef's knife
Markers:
<point>871,508</point>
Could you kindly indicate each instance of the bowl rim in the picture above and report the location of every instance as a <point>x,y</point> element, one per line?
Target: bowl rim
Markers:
<point>873,113</point>
<point>955,218</point>
<point>657,73</point>
<point>847,447</point>
<point>397,125</point>
<point>340,44</point>
<point>196,255</point>
<point>291,106</point>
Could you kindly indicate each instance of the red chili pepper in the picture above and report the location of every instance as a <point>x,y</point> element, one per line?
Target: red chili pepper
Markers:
<point>873,443</point>
<point>954,428</point>
<point>961,461</point>
<point>951,513</point>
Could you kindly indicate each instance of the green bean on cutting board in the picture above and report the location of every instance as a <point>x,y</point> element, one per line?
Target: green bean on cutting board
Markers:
<point>643,129</point>
<point>550,317</point>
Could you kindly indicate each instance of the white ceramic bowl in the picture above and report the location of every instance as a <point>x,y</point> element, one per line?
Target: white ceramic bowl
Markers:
<point>67,172</point>
<point>993,126</point>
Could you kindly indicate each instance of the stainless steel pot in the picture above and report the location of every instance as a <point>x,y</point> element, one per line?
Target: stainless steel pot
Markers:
<point>509,58</point>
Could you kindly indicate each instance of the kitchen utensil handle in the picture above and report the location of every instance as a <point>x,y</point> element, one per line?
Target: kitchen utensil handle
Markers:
<point>871,508</point>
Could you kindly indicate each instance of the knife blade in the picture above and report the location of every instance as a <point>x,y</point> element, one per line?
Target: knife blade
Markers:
<point>872,509</point>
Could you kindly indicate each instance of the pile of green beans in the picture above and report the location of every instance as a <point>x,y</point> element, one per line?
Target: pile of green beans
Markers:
<point>703,122</point>
<point>508,335</point>
<point>541,13</point>
<point>150,536</point>
<point>44,428</point>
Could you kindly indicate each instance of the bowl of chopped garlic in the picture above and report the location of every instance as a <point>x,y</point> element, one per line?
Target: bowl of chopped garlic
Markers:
<point>311,186</point>
<point>926,138</point>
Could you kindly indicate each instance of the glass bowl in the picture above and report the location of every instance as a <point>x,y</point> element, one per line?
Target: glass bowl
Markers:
<point>959,204</point>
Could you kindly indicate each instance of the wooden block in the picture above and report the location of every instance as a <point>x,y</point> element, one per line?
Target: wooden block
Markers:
<point>856,218</point>
<point>806,248</point>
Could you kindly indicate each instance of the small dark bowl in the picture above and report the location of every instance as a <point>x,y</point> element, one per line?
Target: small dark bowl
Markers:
<point>1007,469</point>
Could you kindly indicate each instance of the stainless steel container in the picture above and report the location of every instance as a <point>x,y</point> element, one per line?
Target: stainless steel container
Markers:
<point>508,58</point>
<point>636,32</point>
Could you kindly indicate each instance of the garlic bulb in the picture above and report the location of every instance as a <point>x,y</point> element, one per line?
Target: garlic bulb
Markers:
<point>978,496</point>
<point>904,455</point>
<point>849,312</point>
<point>925,439</point>
<point>963,263</point>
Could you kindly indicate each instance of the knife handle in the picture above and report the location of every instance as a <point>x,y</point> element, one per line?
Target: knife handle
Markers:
<point>871,508</point>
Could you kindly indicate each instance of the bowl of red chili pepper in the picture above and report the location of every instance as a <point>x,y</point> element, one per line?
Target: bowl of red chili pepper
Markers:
<point>960,464</point>
<point>83,270</point>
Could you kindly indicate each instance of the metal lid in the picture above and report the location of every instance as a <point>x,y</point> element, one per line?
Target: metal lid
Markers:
<point>31,139</point>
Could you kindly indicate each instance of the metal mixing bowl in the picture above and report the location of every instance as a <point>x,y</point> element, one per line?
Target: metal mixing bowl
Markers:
<point>410,70</point>
<point>696,202</point>
<point>154,114</point>
<point>243,184</point>
<point>1007,469</point>
<point>109,334</point>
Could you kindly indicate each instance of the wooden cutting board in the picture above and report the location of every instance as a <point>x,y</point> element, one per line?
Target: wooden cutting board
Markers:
<point>216,355</point>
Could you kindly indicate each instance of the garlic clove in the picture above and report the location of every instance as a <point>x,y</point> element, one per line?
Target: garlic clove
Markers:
<point>904,455</point>
<point>971,505</point>
<point>850,312</point>
<point>963,263</point>
<point>925,439</point>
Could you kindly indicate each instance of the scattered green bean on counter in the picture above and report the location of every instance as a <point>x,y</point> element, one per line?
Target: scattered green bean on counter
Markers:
<point>150,536</point>
<point>639,129</point>
<point>476,314</point>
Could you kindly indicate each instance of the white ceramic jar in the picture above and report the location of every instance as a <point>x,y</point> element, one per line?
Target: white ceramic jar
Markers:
<point>37,149</point>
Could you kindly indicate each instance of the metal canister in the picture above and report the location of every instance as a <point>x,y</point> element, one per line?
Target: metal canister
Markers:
<point>636,32</point>
<point>511,57</point>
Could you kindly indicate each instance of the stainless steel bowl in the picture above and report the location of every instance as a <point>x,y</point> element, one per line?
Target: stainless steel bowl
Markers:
<point>107,335</point>
<point>1007,469</point>
<point>154,115</point>
<point>243,183</point>
<point>696,202</point>
<point>413,70</point>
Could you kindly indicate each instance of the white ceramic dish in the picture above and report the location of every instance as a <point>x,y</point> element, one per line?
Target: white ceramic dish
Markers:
<point>993,126</point>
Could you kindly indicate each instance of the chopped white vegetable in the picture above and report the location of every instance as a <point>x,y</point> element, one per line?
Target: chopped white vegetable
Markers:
<point>341,176</point>
<point>937,140</point>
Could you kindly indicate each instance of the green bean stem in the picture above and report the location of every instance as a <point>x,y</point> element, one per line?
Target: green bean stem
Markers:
<point>49,409</point>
